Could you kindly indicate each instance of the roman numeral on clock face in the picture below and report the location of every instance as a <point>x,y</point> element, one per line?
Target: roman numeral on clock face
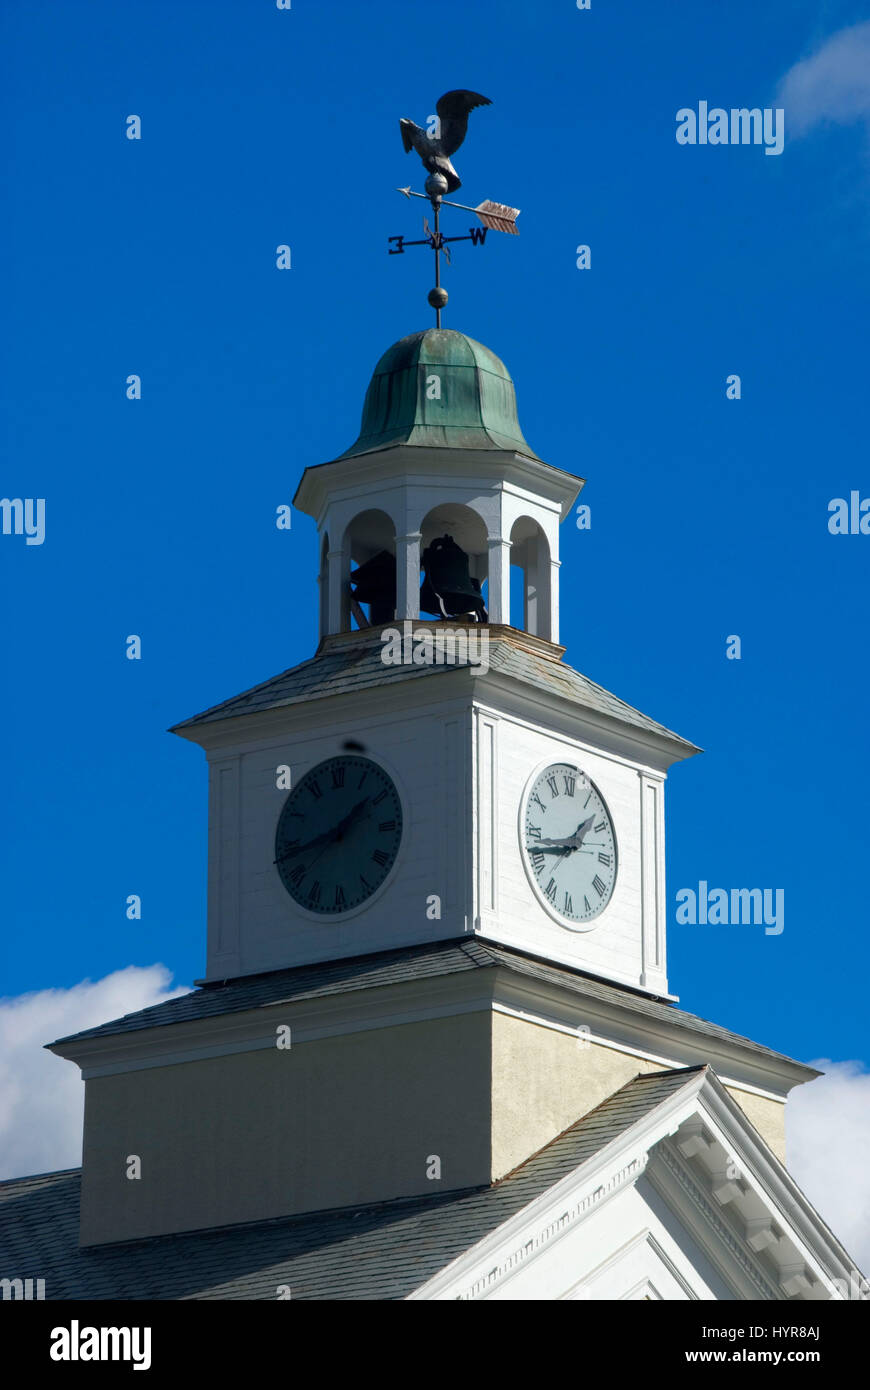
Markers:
<point>338,777</point>
<point>376,800</point>
<point>569,906</point>
<point>380,858</point>
<point>551,890</point>
<point>551,783</point>
<point>603,858</point>
<point>387,825</point>
<point>315,788</point>
<point>314,892</point>
<point>599,827</point>
<point>340,900</point>
<point>538,802</point>
<point>599,886</point>
<point>570,783</point>
<point>538,861</point>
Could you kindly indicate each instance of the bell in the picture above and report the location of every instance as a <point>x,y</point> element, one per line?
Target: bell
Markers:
<point>375,583</point>
<point>448,589</point>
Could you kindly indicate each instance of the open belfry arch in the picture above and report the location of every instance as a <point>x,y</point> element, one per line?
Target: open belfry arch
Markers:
<point>440,452</point>
<point>434,1053</point>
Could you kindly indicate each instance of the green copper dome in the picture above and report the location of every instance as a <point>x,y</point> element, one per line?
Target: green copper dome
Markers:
<point>443,390</point>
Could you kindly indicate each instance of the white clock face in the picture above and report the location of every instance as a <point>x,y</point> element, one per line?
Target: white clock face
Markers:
<point>569,844</point>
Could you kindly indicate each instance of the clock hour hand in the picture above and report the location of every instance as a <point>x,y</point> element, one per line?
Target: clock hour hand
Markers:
<point>569,843</point>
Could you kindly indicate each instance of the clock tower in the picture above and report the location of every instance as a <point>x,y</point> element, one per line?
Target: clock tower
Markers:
<point>433,777</point>
<point>436,897</point>
<point>434,1053</point>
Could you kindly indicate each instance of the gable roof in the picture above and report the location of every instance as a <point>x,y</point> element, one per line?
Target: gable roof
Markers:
<point>384,1251</point>
<point>335,977</point>
<point>350,662</point>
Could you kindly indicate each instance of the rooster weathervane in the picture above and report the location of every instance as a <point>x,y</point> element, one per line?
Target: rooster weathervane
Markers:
<point>435,147</point>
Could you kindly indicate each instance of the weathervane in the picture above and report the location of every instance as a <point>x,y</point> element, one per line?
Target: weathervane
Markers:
<point>435,149</point>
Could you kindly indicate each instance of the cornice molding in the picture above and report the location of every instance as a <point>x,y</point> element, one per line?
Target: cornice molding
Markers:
<point>712,1217</point>
<point>402,464</point>
<point>495,989</point>
<point>545,1234</point>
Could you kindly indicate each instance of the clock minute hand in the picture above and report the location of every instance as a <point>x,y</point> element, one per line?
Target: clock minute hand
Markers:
<point>581,832</point>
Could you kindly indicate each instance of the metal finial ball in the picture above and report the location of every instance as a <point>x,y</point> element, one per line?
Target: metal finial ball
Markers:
<point>438,298</point>
<point>436,185</point>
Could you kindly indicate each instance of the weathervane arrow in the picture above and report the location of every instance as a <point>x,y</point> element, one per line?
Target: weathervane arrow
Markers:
<point>435,149</point>
<point>497,216</point>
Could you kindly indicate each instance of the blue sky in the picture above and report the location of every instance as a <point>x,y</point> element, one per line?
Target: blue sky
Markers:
<point>157,257</point>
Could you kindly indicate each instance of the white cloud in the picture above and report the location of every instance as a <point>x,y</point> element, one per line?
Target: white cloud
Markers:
<point>833,84</point>
<point>827,1141</point>
<point>41,1096</point>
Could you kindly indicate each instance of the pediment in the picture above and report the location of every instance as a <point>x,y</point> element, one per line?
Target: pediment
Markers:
<point>687,1202</point>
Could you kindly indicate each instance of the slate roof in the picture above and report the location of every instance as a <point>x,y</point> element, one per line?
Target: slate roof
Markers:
<point>392,967</point>
<point>379,1252</point>
<point>343,667</point>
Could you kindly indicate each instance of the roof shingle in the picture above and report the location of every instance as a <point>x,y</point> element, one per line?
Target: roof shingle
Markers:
<point>345,666</point>
<point>393,967</point>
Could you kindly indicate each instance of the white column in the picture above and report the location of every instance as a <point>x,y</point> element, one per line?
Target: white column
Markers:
<point>408,576</point>
<point>323,589</point>
<point>553,634</point>
<point>338,562</point>
<point>499,591</point>
<point>538,579</point>
<point>535,613</point>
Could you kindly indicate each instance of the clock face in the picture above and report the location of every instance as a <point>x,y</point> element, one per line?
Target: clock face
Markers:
<point>569,844</point>
<point>338,835</point>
